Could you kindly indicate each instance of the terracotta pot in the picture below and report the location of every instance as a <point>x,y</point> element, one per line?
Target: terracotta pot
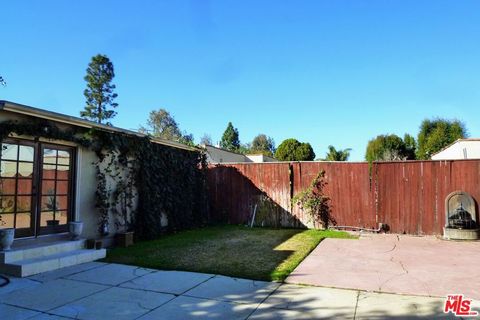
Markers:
<point>6,238</point>
<point>124,239</point>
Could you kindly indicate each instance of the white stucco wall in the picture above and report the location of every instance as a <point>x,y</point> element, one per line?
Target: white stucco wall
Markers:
<point>461,149</point>
<point>260,158</point>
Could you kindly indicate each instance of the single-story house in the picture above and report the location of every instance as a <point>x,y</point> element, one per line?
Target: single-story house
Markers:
<point>460,149</point>
<point>47,183</point>
<point>219,155</point>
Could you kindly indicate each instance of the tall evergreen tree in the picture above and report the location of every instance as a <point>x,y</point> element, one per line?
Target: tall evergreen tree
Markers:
<point>230,138</point>
<point>99,93</point>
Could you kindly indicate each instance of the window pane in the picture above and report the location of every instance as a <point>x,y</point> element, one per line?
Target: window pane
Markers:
<point>62,202</point>
<point>48,171</point>
<point>46,216</point>
<point>23,220</point>
<point>49,203</point>
<point>7,186</point>
<point>48,187</point>
<point>24,203</point>
<point>26,153</point>
<point>25,169</point>
<point>62,187</point>
<point>8,168</point>
<point>24,186</point>
<point>7,220</point>
<point>49,156</point>
<point>7,204</point>
<point>63,157</point>
<point>61,216</point>
<point>62,172</point>
<point>9,151</point>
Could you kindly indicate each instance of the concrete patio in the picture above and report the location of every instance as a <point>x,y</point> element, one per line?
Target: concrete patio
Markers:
<point>111,291</point>
<point>400,264</point>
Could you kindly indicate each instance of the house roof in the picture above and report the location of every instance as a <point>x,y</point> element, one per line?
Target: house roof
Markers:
<point>456,141</point>
<point>79,122</point>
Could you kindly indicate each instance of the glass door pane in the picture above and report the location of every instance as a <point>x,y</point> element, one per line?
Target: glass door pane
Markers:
<point>55,189</point>
<point>17,187</point>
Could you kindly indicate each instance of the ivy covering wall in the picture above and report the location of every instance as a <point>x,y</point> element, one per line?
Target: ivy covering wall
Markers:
<point>163,180</point>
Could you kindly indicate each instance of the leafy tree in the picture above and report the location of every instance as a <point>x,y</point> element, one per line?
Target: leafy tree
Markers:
<point>263,144</point>
<point>230,140</point>
<point>387,148</point>
<point>410,146</point>
<point>293,150</point>
<point>100,90</point>
<point>244,148</point>
<point>188,139</point>
<point>161,124</point>
<point>436,134</point>
<point>337,155</point>
<point>206,139</point>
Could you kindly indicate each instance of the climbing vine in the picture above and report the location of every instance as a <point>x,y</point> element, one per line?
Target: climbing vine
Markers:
<point>315,202</point>
<point>140,182</point>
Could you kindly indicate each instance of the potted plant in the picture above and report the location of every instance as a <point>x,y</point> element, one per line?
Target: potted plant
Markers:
<point>7,235</point>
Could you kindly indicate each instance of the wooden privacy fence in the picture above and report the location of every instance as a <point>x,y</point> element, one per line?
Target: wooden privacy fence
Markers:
<point>407,196</point>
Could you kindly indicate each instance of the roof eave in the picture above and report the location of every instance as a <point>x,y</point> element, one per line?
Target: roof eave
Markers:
<point>70,120</point>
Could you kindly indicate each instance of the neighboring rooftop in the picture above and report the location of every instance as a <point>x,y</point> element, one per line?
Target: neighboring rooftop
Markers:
<point>219,155</point>
<point>79,122</point>
<point>460,149</point>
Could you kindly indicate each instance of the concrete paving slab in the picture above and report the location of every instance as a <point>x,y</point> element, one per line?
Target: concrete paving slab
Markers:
<point>110,274</point>
<point>233,289</point>
<point>65,272</point>
<point>45,316</point>
<point>279,314</point>
<point>388,306</point>
<point>50,295</point>
<point>176,282</point>
<point>16,284</point>
<point>183,307</point>
<point>114,303</point>
<point>396,264</point>
<point>15,313</point>
<point>321,302</point>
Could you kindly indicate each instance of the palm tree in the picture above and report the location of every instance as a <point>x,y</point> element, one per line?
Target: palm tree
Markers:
<point>337,155</point>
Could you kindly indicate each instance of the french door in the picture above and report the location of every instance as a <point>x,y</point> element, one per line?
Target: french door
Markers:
<point>36,187</point>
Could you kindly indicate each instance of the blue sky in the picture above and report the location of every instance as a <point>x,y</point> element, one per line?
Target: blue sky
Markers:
<point>325,72</point>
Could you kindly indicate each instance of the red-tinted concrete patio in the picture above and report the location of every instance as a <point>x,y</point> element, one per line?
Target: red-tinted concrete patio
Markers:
<point>397,264</point>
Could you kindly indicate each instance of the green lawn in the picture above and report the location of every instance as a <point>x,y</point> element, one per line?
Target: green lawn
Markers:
<point>258,253</point>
